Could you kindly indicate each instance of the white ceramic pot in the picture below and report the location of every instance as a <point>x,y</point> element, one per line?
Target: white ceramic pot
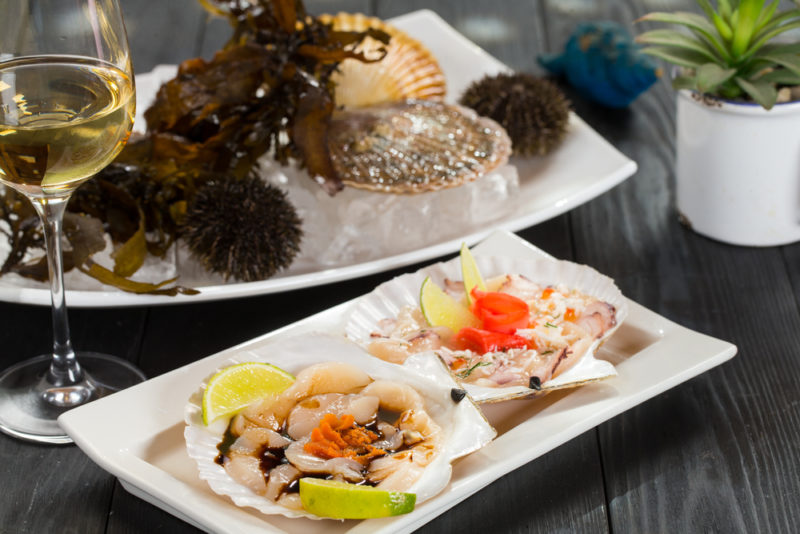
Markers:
<point>738,170</point>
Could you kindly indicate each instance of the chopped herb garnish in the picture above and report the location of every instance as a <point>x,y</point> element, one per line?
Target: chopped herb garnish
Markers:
<point>547,352</point>
<point>465,373</point>
<point>550,325</point>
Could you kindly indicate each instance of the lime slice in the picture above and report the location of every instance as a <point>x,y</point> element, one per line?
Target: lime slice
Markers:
<point>440,309</point>
<point>470,273</point>
<point>234,387</point>
<point>340,500</point>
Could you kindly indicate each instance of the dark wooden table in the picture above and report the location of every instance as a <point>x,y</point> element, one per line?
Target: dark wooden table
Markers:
<point>720,453</point>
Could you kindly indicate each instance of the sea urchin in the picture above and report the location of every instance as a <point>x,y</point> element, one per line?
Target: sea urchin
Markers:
<point>533,110</point>
<point>245,229</point>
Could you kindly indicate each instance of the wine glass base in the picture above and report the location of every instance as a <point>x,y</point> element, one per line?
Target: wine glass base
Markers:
<point>24,412</point>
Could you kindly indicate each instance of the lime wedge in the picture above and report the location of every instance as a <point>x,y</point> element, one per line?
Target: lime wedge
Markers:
<point>470,273</point>
<point>234,387</point>
<point>340,500</point>
<point>440,309</point>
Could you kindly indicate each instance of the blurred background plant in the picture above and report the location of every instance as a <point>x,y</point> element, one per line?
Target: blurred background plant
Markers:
<point>731,51</point>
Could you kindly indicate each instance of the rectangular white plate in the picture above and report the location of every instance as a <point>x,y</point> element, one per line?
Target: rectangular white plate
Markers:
<point>583,167</point>
<point>137,434</point>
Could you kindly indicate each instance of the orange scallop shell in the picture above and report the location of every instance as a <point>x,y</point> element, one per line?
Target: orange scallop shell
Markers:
<point>409,69</point>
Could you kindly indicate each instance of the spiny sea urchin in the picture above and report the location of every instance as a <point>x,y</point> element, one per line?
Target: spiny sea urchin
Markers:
<point>533,110</point>
<point>245,229</point>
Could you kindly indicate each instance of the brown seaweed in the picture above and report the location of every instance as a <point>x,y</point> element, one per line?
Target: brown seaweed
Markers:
<point>268,90</point>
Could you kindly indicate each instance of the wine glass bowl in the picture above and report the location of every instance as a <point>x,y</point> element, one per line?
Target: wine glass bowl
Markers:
<point>67,102</point>
<point>68,118</point>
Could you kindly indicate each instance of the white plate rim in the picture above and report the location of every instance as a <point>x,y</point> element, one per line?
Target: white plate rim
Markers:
<point>521,219</point>
<point>681,353</point>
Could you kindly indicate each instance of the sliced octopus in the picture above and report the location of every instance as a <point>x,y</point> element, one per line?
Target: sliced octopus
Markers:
<point>413,146</point>
<point>565,324</point>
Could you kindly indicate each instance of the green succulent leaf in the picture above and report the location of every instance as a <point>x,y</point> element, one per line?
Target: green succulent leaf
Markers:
<point>781,77</point>
<point>720,23</point>
<point>766,15</point>
<point>725,9</point>
<point>783,18</point>
<point>766,35</point>
<point>673,39</point>
<point>707,8</point>
<point>684,82</point>
<point>788,61</point>
<point>769,57</point>
<point>710,76</point>
<point>779,48</point>
<point>755,68</point>
<point>749,10</point>
<point>694,22</point>
<point>677,56</point>
<point>730,51</point>
<point>763,93</point>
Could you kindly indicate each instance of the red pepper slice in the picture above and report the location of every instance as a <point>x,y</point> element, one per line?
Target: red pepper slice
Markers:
<point>500,312</point>
<point>483,341</point>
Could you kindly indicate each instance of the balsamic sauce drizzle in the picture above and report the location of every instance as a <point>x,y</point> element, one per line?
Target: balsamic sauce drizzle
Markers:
<point>271,457</point>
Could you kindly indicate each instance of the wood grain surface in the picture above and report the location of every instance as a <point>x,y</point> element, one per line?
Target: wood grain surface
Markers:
<point>720,453</point>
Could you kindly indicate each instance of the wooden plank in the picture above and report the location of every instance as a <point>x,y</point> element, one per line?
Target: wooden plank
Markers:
<point>717,452</point>
<point>51,489</point>
<point>59,479</point>
<point>162,32</point>
<point>131,515</point>
<point>555,493</point>
<point>711,455</point>
<point>510,30</point>
<point>198,330</point>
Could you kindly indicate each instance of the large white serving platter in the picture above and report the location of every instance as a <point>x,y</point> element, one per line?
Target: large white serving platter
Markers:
<point>583,167</point>
<point>137,434</point>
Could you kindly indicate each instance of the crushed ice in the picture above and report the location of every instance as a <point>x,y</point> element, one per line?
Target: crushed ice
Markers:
<point>355,226</point>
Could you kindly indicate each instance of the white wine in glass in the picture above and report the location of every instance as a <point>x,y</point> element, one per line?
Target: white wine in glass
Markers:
<point>68,120</point>
<point>67,102</point>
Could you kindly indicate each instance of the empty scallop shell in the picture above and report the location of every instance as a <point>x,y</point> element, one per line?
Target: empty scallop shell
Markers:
<point>414,146</point>
<point>408,70</point>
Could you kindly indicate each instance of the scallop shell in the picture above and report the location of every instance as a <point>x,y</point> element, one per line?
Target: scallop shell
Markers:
<point>390,297</point>
<point>466,427</point>
<point>408,70</point>
<point>414,146</point>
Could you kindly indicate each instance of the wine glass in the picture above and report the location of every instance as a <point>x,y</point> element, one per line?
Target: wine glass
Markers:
<point>67,104</point>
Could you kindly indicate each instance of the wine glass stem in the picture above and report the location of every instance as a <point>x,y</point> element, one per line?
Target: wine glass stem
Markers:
<point>64,369</point>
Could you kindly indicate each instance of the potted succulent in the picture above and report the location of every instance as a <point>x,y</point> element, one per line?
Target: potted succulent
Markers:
<point>738,118</point>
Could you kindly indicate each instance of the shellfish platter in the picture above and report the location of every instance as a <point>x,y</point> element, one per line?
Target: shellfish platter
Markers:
<point>520,194</point>
<point>142,438</point>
